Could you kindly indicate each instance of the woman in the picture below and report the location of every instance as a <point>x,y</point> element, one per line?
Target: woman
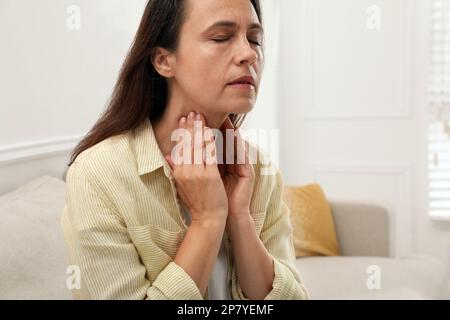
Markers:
<point>141,225</point>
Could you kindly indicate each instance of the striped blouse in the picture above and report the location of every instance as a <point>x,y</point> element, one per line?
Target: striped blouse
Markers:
<point>123,225</point>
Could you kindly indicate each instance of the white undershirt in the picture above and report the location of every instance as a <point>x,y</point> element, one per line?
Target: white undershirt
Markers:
<point>217,285</point>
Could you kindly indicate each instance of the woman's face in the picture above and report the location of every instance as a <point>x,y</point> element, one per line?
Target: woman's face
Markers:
<point>220,41</point>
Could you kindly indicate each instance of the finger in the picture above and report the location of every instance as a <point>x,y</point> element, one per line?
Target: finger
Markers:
<point>190,128</point>
<point>183,123</point>
<point>244,165</point>
<point>199,140</point>
<point>204,138</point>
<point>183,126</point>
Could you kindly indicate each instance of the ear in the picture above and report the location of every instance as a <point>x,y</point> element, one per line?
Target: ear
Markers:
<point>164,62</point>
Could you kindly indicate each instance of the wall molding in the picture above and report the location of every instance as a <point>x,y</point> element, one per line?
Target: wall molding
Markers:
<point>39,149</point>
<point>402,229</point>
<point>403,111</point>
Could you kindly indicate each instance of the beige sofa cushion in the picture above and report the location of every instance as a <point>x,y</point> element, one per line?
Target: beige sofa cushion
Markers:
<point>31,243</point>
<point>362,229</point>
<point>415,277</point>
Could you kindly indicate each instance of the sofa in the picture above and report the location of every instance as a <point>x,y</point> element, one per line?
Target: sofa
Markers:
<point>34,260</point>
<point>364,268</point>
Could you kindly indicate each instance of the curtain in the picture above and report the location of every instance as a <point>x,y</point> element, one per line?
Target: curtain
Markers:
<point>439,102</point>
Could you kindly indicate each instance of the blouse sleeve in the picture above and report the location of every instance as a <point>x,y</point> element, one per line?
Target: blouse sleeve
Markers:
<point>100,247</point>
<point>276,234</point>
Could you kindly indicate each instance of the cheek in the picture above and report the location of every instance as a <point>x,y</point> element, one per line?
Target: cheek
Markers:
<point>200,84</point>
<point>203,61</point>
<point>202,76</point>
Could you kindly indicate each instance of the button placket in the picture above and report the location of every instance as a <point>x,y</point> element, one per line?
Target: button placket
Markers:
<point>169,175</point>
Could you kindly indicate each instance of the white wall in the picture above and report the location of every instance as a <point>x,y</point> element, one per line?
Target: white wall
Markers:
<point>354,110</point>
<point>55,81</point>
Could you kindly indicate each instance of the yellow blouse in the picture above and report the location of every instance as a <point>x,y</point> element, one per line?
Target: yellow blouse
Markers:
<point>123,225</point>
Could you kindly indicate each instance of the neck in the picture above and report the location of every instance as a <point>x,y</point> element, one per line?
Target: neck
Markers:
<point>169,122</point>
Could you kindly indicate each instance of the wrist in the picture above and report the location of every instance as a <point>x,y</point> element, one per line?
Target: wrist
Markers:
<point>241,215</point>
<point>245,216</point>
<point>207,231</point>
<point>236,222</point>
<point>239,212</point>
<point>210,223</point>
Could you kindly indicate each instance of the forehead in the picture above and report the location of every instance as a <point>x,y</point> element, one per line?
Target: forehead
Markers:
<point>202,14</point>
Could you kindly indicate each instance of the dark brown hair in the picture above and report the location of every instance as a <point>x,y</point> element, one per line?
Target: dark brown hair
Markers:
<point>140,92</point>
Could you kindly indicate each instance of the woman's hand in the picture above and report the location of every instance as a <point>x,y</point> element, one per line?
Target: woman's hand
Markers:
<point>199,185</point>
<point>238,178</point>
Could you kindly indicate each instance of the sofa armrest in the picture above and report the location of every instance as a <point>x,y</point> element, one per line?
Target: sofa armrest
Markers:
<point>361,229</point>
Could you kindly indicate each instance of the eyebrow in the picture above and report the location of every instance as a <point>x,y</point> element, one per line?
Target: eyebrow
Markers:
<point>232,24</point>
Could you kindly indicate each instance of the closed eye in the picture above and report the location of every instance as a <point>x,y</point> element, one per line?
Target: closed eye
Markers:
<point>226,39</point>
<point>220,40</point>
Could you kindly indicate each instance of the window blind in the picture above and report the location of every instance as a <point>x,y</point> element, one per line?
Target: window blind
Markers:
<point>439,102</point>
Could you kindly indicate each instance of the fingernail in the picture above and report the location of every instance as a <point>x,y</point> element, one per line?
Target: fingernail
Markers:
<point>191,116</point>
<point>198,117</point>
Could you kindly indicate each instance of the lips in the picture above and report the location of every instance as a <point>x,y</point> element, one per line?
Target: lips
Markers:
<point>246,80</point>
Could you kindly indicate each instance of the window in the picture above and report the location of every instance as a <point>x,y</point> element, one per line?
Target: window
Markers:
<point>439,102</point>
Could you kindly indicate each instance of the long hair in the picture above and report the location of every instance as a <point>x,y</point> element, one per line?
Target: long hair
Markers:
<point>140,91</point>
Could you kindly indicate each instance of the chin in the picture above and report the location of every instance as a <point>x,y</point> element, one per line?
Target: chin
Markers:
<point>242,108</point>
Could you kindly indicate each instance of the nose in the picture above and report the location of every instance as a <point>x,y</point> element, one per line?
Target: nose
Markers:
<point>246,54</point>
